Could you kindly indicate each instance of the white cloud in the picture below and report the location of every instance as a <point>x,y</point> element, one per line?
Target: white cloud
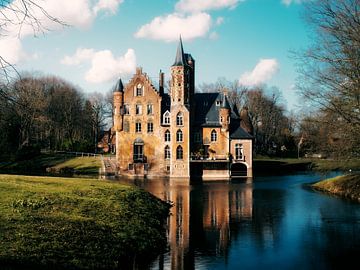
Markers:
<point>104,65</point>
<point>169,27</point>
<point>214,36</point>
<point>107,5</point>
<point>202,5</point>
<point>219,21</point>
<point>79,13</point>
<point>80,56</point>
<point>289,2</point>
<point>263,71</point>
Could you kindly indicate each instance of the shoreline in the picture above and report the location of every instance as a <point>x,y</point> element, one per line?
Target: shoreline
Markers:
<point>345,186</point>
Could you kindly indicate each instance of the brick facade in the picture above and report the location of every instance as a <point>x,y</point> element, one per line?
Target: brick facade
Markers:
<point>181,133</point>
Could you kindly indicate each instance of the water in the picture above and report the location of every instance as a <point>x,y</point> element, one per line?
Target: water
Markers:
<point>270,223</point>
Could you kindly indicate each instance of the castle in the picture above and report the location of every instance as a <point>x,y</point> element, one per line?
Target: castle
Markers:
<point>180,134</point>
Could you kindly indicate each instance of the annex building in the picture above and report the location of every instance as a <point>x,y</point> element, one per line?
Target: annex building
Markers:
<point>180,134</point>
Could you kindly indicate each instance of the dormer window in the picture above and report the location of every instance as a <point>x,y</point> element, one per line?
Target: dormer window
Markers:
<point>218,103</point>
<point>166,118</point>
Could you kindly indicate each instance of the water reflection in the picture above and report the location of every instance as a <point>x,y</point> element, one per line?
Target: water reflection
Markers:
<point>200,219</point>
<point>272,223</point>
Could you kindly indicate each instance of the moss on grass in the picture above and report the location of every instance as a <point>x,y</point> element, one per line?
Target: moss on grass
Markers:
<point>347,186</point>
<point>77,223</point>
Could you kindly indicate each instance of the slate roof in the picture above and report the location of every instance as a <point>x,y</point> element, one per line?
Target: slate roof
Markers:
<point>207,106</point>
<point>180,58</point>
<point>119,87</point>
<point>165,103</point>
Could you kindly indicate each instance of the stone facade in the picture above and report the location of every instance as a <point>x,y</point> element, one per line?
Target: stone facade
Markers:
<point>179,134</point>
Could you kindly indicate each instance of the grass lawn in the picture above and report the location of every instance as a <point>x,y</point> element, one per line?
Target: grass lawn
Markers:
<point>51,222</point>
<point>54,164</point>
<point>347,186</point>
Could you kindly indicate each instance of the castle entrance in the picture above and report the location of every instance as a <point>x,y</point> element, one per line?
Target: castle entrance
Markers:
<point>138,155</point>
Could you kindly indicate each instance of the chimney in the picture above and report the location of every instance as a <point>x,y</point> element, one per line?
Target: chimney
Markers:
<point>161,83</point>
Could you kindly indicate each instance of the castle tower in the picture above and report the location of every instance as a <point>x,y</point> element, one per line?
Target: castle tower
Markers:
<point>118,117</point>
<point>181,93</point>
<point>118,104</point>
<point>224,113</point>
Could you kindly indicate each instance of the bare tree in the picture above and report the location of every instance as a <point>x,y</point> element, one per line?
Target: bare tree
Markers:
<point>14,16</point>
<point>330,68</point>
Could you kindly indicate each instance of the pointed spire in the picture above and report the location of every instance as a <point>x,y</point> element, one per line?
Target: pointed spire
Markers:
<point>225,103</point>
<point>119,87</point>
<point>179,59</point>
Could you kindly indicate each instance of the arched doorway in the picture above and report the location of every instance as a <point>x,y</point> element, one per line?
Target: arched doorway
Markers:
<point>238,170</point>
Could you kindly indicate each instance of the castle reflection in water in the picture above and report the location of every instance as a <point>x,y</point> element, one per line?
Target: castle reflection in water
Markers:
<point>200,219</point>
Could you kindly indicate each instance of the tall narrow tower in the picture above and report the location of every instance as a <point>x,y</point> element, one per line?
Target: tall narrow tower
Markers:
<point>181,93</point>
<point>118,115</point>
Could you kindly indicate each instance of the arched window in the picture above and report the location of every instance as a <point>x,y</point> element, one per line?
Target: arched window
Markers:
<point>167,136</point>
<point>179,152</point>
<point>179,119</point>
<point>166,118</point>
<point>213,136</point>
<point>167,152</point>
<point>179,136</point>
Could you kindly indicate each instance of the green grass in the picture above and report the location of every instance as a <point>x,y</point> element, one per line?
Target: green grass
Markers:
<point>286,165</point>
<point>76,223</point>
<point>59,164</point>
<point>347,186</point>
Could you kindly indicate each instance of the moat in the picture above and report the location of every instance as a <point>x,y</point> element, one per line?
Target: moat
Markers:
<point>269,223</point>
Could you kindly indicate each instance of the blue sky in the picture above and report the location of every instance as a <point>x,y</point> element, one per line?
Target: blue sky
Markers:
<point>245,40</point>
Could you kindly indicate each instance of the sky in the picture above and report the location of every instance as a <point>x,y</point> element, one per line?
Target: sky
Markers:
<point>245,40</point>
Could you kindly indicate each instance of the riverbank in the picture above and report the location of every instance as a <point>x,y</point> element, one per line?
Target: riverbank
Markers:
<point>53,223</point>
<point>274,166</point>
<point>346,186</point>
<point>54,165</point>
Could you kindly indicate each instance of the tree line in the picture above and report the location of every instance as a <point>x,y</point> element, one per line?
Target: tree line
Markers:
<point>49,113</point>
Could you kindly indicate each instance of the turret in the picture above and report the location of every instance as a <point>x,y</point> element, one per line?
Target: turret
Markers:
<point>118,105</point>
<point>224,113</point>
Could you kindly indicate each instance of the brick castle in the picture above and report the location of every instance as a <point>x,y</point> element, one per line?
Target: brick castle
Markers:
<point>180,134</point>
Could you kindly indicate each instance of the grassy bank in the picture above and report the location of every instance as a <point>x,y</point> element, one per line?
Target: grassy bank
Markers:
<point>76,223</point>
<point>284,166</point>
<point>53,164</point>
<point>347,186</point>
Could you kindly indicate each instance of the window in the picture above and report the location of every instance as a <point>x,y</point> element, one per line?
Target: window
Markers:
<point>138,127</point>
<point>150,127</point>
<point>213,136</point>
<point>221,119</point>
<point>197,137</point>
<point>126,109</point>
<point>218,103</point>
<point>138,153</point>
<point>166,119</point>
<point>126,126</point>
<point>167,136</point>
<point>179,136</point>
<point>239,151</point>
<point>179,119</point>
<point>138,109</point>
<point>179,152</point>
<point>149,109</point>
<point>139,90</point>
<point>167,152</point>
